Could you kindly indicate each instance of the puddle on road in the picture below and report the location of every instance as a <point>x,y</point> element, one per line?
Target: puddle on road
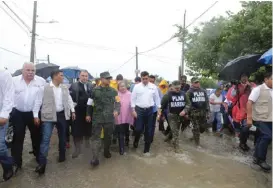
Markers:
<point>217,164</point>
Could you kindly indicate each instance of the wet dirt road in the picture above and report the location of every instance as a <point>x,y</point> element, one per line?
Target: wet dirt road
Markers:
<point>217,164</point>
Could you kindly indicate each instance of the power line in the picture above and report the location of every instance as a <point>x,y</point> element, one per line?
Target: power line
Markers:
<point>13,52</point>
<point>22,10</point>
<point>159,60</point>
<point>24,29</point>
<point>80,44</point>
<point>202,14</point>
<point>123,64</point>
<point>165,42</point>
<point>18,17</point>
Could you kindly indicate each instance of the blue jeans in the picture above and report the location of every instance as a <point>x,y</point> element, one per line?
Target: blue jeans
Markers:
<point>47,128</point>
<point>218,117</point>
<point>5,160</point>
<point>263,140</point>
<point>144,121</point>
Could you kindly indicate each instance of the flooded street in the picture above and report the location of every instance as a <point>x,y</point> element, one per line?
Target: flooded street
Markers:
<point>217,164</point>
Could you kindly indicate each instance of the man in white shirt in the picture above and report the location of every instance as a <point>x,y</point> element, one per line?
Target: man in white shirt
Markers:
<point>216,100</point>
<point>27,103</point>
<point>144,97</point>
<point>259,113</point>
<point>6,102</point>
<point>57,106</point>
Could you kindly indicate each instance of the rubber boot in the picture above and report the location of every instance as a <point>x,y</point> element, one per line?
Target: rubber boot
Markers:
<point>77,150</point>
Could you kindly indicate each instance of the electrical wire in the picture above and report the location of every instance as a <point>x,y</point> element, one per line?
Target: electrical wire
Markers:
<point>165,42</point>
<point>123,64</point>
<point>18,17</point>
<point>12,52</point>
<point>80,44</point>
<point>22,10</point>
<point>24,29</point>
<point>202,14</point>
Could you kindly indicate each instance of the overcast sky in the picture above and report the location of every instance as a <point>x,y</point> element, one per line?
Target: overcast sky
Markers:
<point>112,30</point>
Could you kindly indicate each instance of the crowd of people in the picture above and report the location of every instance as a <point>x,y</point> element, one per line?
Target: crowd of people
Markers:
<point>109,109</point>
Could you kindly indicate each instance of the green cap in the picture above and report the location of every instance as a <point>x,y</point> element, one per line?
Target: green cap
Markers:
<point>105,75</point>
<point>194,80</point>
<point>176,83</point>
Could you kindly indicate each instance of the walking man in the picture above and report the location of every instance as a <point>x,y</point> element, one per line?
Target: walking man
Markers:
<point>80,92</point>
<point>144,97</point>
<point>27,104</point>
<point>178,104</point>
<point>200,109</point>
<point>6,102</point>
<point>106,107</point>
<point>259,113</point>
<point>56,109</point>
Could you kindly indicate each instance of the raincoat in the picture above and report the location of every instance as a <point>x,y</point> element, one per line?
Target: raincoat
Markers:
<point>163,89</point>
<point>125,115</point>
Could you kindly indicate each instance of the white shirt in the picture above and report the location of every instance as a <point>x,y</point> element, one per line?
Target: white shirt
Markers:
<point>28,97</point>
<point>214,98</point>
<point>6,94</point>
<point>255,93</point>
<point>58,97</point>
<point>145,96</point>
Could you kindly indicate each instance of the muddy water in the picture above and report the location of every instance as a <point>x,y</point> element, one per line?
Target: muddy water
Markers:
<point>217,164</point>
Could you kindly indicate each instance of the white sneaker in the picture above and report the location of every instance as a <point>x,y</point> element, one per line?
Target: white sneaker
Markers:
<point>237,140</point>
<point>148,154</point>
<point>210,129</point>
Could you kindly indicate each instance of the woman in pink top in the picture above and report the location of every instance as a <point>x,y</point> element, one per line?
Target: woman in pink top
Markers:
<point>125,117</point>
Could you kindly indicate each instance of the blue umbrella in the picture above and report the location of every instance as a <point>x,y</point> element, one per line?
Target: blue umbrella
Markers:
<point>266,58</point>
<point>73,73</point>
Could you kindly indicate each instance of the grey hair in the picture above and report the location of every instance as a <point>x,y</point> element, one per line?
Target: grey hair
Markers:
<point>122,82</point>
<point>28,63</point>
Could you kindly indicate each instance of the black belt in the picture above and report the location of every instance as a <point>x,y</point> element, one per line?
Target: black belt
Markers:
<point>61,112</point>
<point>148,108</point>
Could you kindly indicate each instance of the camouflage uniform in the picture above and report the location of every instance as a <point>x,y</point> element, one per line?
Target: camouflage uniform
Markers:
<point>105,102</point>
<point>175,102</point>
<point>199,110</point>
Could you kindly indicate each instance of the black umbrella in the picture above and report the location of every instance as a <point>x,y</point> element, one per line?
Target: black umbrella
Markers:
<point>242,65</point>
<point>42,69</point>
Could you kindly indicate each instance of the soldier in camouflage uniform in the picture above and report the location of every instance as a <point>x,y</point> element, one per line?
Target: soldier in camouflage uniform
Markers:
<point>106,106</point>
<point>178,104</point>
<point>199,111</point>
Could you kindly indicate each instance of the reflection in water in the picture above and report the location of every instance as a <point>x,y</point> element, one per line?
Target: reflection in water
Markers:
<point>217,164</point>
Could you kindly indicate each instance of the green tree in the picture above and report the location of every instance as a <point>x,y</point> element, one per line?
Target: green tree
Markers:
<point>207,83</point>
<point>211,46</point>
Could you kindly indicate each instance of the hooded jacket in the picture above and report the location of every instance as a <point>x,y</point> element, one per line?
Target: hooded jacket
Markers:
<point>163,90</point>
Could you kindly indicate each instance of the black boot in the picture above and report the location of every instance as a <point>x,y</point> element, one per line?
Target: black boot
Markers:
<point>136,141</point>
<point>7,173</point>
<point>244,147</point>
<point>147,147</point>
<point>107,154</point>
<point>94,162</point>
<point>40,169</point>
<point>62,157</point>
<point>264,165</point>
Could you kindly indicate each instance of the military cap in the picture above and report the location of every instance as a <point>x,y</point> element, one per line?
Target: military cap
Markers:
<point>176,83</point>
<point>194,80</point>
<point>105,75</point>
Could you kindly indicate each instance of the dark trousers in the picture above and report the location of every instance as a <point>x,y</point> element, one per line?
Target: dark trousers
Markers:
<point>154,125</point>
<point>244,134</point>
<point>20,120</point>
<point>263,140</point>
<point>144,121</point>
<point>122,131</point>
<point>68,125</point>
<point>47,128</point>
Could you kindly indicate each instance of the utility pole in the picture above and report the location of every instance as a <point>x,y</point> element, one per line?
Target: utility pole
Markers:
<point>32,49</point>
<point>48,60</point>
<point>183,45</point>
<point>137,62</point>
